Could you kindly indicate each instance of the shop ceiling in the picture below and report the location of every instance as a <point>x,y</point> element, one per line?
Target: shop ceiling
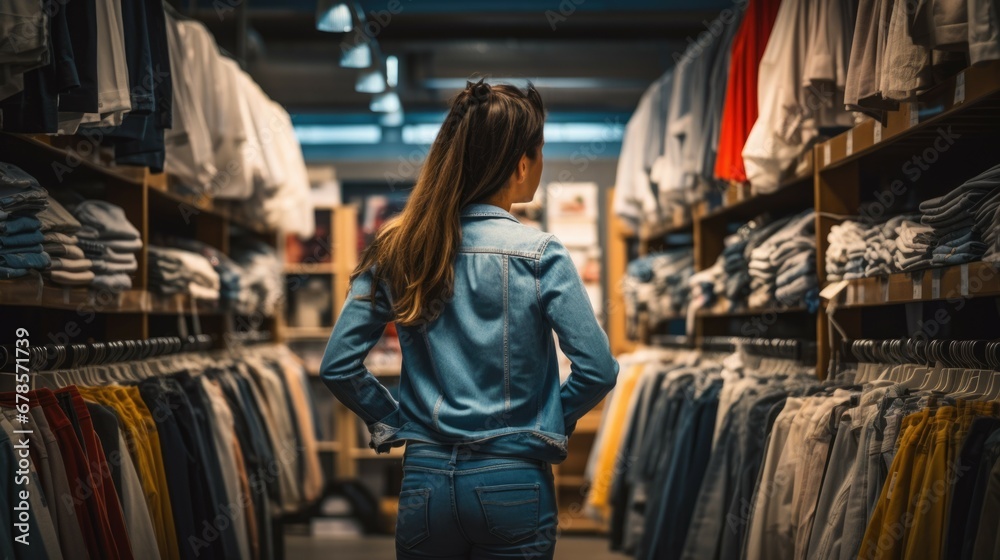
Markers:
<point>588,56</point>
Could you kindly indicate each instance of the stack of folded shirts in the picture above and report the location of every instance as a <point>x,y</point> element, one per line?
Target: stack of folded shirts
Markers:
<point>230,273</point>
<point>70,266</point>
<point>110,241</point>
<point>262,286</point>
<point>21,199</point>
<point>845,256</point>
<point>175,271</point>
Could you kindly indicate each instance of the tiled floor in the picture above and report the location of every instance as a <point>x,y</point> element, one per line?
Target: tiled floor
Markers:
<point>381,548</point>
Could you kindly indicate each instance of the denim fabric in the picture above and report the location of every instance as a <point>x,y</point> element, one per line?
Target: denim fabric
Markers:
<point>108,219</point>
<point>9,273</point>
<point>21,239</point>
<point>990,458</point>
<point>689,459</point>
<point>485,370</point>
<point>56,218</point>
<point>20,224</point>
<point>37,261</point>
<point>828,526</point>
<point>37,248</point>
<point>458,503</point>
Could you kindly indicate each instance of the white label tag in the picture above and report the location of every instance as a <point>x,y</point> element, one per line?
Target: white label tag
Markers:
<point>851,294</point>
<point>960,88</point>
<point>918,286</point>
<point>826,153</point>
<point>936,284</point>
<point>850,142</point>
<point>831,290</point>
<point>878,132</point>
<point>964,270</point>
<point>885,289</point>
<point>861,293</point>
<point>914,114</point>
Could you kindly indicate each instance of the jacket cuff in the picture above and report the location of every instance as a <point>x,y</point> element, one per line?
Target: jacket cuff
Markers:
<point>383,431</point>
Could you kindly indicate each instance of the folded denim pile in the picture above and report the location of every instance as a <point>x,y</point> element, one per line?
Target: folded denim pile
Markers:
<point>176,271</point>
<point>70,265</point>
<point>110,241</point>
<point>21,199</point>
<point>960,227</point>
<point>657,285</point>
<point>230,273</point>
<point>262,285</point>
<point>783,268</point>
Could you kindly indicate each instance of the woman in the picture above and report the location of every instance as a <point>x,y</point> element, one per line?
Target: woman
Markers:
<point>475,297</point>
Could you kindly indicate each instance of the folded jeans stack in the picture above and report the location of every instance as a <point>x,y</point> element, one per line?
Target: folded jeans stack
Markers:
<point>21,199</point>
<point>847,241</point>
<point>780,273</point>
<point>175,271</point>
<point>110,241</point>
<point>657,285</point>
<point>230,273</point>
<point>70,266</point>
<point>962,218</point>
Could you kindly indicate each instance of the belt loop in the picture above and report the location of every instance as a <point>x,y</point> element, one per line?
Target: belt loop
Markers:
<point>454,455</point>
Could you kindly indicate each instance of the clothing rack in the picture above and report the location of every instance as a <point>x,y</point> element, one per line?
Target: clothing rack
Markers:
<point>672,341</point>
<point>949,353</point>
<point>52,357</point>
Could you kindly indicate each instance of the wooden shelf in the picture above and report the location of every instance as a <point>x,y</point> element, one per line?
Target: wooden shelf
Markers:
<point>972,280</point>
<point>793,195</point>
<point>309,268</point>
<point>28,292</point>
<point>915,126</point>
<point>576,523</point>
<point>307,333</point>
<point>713,313</point>
<point>328,446</point>
<point>394,454</point>
<point>570,481</point>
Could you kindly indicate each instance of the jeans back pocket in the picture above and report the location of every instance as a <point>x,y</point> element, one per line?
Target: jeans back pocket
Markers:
<point>511,510</point>
<point>412,525</point>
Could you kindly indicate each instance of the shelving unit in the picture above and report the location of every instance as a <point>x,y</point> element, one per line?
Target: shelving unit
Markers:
<point>920,151</point>
<point>69,163</point>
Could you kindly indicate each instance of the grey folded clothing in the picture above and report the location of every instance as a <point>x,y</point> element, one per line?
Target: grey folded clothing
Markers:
<point>63,251</point>
<point>58,237</point>
<point>71,265</point>
<point>20,193</point>
<point>114,283</point>
<point>68,278</point>
<point>108,219</point>
<point>121,258</point>
<point>123,245</point>
<point>57,219</point>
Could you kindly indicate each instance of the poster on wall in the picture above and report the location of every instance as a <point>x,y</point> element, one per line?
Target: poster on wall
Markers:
<point>572,211</point>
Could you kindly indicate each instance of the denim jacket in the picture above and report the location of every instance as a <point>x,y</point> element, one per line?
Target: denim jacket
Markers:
<point>484,372</point>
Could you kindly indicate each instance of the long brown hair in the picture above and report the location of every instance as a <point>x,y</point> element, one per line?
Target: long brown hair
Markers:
<point>478,148</point>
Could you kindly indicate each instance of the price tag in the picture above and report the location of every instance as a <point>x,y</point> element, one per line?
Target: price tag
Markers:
<point>878,132</point>
<point>918,286</point>
<point>826,154</point>
<point>964,270</point>
<point>850,142</point>
<point>861,292</point>
<point>936,284</point>
<point>960,88</point>
<point>914,114</point>
<point>851,293</point>
<point>885,290</point>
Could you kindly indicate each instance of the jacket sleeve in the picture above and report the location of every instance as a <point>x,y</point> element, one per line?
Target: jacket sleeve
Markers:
<point>358,328</point>
<point>567,308</point>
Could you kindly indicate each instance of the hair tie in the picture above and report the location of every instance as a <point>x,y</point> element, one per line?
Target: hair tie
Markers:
<point>479,89</point>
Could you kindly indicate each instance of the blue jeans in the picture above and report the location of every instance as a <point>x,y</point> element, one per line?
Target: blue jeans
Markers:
<point>456,503</point>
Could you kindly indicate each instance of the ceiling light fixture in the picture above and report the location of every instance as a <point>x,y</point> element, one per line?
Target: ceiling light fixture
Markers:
<point>334,17</point>
<point>370,81</point>
<point>358,56</point>
<point>386,103</point>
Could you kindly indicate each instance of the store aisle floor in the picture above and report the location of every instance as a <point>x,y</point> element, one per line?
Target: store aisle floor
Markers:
<point>381,548</point>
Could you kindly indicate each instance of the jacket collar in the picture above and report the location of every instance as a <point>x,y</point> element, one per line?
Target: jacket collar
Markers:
<point>486,210</point>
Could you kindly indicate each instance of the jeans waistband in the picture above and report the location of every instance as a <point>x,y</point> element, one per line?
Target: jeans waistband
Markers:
<point>459,452</point>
